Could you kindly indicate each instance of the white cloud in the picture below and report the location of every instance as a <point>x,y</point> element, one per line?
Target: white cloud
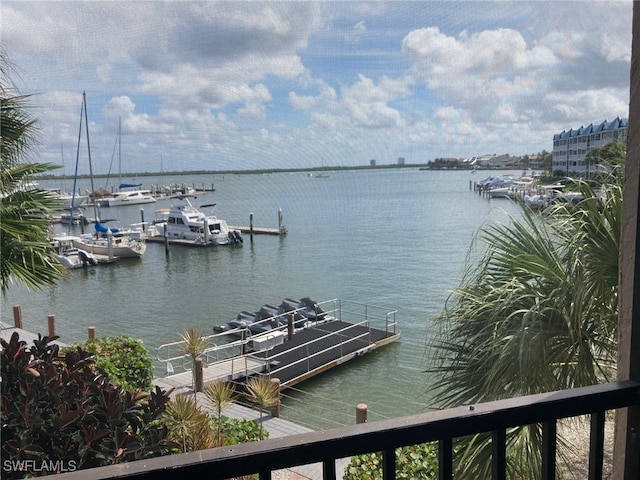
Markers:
<point>201,80</point>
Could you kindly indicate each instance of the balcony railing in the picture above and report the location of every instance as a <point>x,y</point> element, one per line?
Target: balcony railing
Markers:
<point>385,436</point>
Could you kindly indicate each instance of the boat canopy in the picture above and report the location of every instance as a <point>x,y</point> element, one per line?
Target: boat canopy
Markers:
<point>100,228</point>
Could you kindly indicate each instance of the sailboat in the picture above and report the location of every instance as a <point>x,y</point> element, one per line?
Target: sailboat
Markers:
<point>127,194</point>
<point>323,173</point>
<point>110,242</point>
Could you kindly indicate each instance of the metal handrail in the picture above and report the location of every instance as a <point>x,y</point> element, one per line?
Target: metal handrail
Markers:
<point>385,436</point>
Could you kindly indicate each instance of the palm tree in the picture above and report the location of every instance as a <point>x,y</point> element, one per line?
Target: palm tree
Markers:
<point>193,345</point>
<point>221,394</point>
<point>264,393</point>
<point>608,157</point>
<point>536,313</point>
<point>24,210</point>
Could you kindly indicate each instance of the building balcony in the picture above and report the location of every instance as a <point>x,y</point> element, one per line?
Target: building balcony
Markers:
<point>385,436</point>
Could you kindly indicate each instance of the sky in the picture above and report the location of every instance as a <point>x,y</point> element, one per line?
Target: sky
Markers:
<point>234,85</point>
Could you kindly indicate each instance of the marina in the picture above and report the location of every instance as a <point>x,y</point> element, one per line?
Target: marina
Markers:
<point>364,236</point>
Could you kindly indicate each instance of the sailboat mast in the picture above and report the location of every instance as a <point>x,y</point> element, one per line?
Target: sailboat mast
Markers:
<point>119,152</point>
<point>75,175</point>
<point>86,123</point>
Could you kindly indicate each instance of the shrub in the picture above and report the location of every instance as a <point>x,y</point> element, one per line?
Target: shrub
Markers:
<point>235,430</point>
<point>125,360</point>
<point>60,410</point>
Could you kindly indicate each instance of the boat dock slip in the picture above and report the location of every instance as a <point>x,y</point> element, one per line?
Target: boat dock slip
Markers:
<point>291,355</point>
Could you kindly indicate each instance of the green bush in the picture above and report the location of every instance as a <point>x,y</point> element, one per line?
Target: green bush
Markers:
<point>235,430</point>
<point>412,463</point>
<point>125,360</point>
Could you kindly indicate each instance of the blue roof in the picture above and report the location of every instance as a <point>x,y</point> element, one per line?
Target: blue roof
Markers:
<point>615,124</point>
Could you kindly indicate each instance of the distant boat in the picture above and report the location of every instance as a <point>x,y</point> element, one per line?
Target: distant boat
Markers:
<point>127,194</point>
<point>113,242</point>
<point>187,225</point>
<point>75,218</point>
<point>68,255</point>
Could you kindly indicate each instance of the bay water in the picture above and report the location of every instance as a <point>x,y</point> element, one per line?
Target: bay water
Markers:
<point>394,238</point>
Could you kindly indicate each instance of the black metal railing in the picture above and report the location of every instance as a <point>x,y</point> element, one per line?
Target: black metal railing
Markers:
<point>385,436</point>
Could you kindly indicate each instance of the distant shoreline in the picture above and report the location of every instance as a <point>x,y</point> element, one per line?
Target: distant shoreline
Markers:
<point>422,166</point>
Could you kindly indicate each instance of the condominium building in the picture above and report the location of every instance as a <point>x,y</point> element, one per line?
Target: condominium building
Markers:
<point>570,147</point>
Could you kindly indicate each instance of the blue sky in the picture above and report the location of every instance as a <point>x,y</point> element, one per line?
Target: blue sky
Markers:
<point>244,85</point>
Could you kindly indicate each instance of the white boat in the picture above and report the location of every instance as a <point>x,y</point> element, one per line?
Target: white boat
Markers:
<point>126,196</point>
<point>185,223</point>
<point>77,218</point>
<point>500,192</point>
<point>112,242</point>
<point>69,255</point>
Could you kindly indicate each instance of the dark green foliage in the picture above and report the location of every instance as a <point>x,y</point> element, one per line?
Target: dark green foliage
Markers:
<point>125,360</point>
<point>412,462</point>
<point>59,409</point>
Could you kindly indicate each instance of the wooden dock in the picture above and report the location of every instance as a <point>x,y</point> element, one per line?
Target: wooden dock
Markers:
<point>309,352</point>
<point>260,230</point>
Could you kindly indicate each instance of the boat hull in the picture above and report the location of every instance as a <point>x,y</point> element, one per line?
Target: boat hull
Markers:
<point>121,247</point>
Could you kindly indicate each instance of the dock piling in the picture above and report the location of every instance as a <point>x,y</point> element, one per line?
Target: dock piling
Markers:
<point>199,378</point>
<point>275,409</point>
<point>251,226</point>
<point>17,316</point>
<point>51,323</point>
<point>92,332</point>
<point>361,413</point>
<point>166,240</point>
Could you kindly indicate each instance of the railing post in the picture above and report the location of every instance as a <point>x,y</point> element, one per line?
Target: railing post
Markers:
<point>445,459</point>
<point>596,446</point>
<point>329,469</point>
<point>499,454</point>
<point>389,464</point>
<point>549,443</point>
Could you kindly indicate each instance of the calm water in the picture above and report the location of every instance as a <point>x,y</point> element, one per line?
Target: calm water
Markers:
<point>391,238</point>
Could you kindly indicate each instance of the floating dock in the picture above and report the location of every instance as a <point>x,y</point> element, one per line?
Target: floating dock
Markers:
<point>290,357</point>
<point>317,349</point>
<point>260,230</point>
